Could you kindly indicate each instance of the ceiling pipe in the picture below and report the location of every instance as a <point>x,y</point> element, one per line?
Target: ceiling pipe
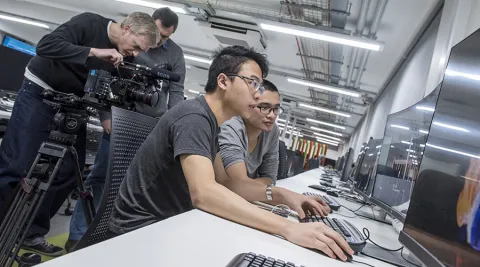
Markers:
<point>371,35</point>
<point>358,32</point>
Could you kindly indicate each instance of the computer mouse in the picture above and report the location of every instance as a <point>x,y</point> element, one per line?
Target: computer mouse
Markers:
<point>349,257</point>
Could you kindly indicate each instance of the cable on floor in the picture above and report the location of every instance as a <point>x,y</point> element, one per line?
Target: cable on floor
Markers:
<point>363,263</point>
<point>366,233</point>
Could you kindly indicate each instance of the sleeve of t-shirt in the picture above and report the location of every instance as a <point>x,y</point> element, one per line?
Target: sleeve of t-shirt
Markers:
<point>191,135</point>
<point>230,143</point>
<point>65,42</point>
<point>269,166</point>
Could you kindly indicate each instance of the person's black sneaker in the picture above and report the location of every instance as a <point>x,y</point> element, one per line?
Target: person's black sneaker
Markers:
<point>70,245</point>
<point>43,248</point>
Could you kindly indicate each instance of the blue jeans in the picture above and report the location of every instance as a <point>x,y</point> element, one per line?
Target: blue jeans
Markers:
<point>27,128</point>
<point>96,181</point>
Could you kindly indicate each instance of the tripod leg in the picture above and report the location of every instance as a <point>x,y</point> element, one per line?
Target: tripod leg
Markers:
<point>85,197</point>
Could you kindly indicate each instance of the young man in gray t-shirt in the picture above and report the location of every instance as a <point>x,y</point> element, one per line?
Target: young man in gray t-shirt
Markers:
<point>249,149</point>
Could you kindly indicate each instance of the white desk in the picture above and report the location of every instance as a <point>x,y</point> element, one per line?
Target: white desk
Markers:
<point>196,238</point>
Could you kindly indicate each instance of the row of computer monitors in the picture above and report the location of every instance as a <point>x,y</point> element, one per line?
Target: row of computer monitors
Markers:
<point>425,171</point>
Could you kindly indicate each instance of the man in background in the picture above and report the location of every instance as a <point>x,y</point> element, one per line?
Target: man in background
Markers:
<point>249,150</point>
<point>64,58</point>
<point>166,54</point>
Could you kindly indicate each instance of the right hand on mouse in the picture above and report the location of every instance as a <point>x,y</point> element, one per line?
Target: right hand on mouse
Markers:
<point>110,55</point>
<point>318,236</point>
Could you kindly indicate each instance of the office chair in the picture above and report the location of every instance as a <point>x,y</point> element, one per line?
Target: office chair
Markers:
<point>282,160</point>
<point>129,131</point>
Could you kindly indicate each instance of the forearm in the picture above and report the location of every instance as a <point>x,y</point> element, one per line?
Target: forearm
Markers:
<point>254,190</point>
<point>220,201</point>
<point>264,180</point>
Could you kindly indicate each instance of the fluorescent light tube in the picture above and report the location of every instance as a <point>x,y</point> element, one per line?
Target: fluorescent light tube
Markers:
<point>194,92</point>
<point>378,146</point>
<point>325,131</point>
<point>423,131</point>
<point>325,110</point>
<point>451,127</point>
<point>327,142</point>
<point>453,151</point>
<point>328,136</point>
<point>153,5</point>
<point>24,21</point>
<point>409,150</point>
<point>399,126</point>
<point>422,145</point>
<point>405,142</point>
<point>470,76</point>
<point>370,155</point>
<point>392,146</point>
<point>198,59</point>
<point>326,123</point>
<point>323,36</point>
<point>324,87</point>
<point>425,108</point>
<point>282,120</point>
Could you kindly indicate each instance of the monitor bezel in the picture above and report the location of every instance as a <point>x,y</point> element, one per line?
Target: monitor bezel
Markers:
<point>427,258</point>
<point>388,209</point>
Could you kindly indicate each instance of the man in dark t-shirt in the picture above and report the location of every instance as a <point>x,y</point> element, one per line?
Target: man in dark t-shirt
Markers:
<point>64,57</point>
<point>172,172</point>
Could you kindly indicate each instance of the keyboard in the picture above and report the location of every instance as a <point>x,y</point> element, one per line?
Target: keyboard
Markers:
<point>347,230</point>
<point>254,260</point>
<point>319,187</point>
<point>332,203</point>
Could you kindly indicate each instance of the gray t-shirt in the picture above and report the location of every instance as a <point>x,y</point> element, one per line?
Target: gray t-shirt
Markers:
<point>233,142</point>
<point>155,187</point>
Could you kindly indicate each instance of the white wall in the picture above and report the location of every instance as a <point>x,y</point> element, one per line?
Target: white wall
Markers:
<point>405,89</point>
<point>334,154</point>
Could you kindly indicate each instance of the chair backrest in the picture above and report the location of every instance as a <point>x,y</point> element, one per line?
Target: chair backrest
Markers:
<point>282,160</point>
<point>129,131</point>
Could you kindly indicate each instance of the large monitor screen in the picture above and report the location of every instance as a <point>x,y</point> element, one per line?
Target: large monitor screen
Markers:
<point>12,68</point>
<point>18,45</point>
<point>401,153</point>
<point>444,213</point>
<point>367,167</point>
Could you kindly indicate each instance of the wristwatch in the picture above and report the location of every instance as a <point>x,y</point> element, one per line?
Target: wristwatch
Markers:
<point>268,192</point>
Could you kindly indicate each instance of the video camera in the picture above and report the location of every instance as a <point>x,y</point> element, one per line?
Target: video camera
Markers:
<point>102,89</point>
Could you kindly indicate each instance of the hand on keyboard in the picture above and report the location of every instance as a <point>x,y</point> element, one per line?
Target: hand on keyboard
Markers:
<point>305,204</point>
<point>318,236</point>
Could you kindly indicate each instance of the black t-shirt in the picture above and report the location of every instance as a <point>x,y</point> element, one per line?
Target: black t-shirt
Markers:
<point>155,187</point>
<point>62,59</point>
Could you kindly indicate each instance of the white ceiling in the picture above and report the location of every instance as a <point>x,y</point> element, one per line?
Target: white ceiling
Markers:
<point>401,21</point>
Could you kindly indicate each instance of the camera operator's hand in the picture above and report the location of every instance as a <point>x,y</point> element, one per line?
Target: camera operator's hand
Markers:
<point>318,236</point>
<point>109,55</point>
<point>107,125</point>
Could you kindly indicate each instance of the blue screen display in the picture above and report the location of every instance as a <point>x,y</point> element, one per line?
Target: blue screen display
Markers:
<point>19,45</point>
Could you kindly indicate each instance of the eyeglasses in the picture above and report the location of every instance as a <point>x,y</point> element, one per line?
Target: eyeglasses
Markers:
<point>256,85</point>
<point>267,109</point>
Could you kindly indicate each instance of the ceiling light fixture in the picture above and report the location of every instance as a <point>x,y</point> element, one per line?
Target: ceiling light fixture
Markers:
<point>324,36</point>
<point>451,127</point>
<point>325,110</point>
<point>378,146</point>
<point>324,87</point>
<point>24,21</point>
<point>326,131</point>
<point>198,59</point>
<point>422,145</point>
<point>175,9</point>
<point>194,92</point>
<point>423,131</point>
<point>326,123</point>
<point>327,142</point>
<point>328,136</point>
<point>425,108</point>
<point>370,155</point>
<point>453,151</point>
<point>281,120</point>
<point>399,126</point>
<point>405,142</point>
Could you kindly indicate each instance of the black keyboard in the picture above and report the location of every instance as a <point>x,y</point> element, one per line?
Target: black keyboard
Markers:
<point>328,184</point>
<point>319,187</point>
<point>254,260</point>
<point>332,203</point>
<point>351,234</point>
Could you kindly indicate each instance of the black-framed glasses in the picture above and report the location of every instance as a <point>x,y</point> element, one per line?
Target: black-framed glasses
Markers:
<point>277,110</point>
<point>256,85</point>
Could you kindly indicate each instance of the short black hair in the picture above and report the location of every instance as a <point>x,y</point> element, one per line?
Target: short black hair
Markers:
<point>229,60</point>
<point>167,17</point>
<point>269,86</point>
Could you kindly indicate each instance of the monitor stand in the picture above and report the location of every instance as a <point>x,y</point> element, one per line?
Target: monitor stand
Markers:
<point>394,258</point>
<point>379,216</point>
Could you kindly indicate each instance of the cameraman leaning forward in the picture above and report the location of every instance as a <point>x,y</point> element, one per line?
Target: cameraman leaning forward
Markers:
<point>64,57</point>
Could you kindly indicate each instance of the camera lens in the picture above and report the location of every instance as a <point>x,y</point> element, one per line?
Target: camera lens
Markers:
<point>150,99</point>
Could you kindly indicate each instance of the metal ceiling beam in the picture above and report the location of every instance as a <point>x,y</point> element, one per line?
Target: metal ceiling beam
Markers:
<point>316,8</point>
<point>320,58</point>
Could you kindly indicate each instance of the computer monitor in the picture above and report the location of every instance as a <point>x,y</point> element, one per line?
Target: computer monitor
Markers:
<point>400,156</point>
<point>442,227</point>
<point>367,169</point>
<point>357,163</point>
<point>347,166</point>
<point>12,68</point>
<point>339,164</point>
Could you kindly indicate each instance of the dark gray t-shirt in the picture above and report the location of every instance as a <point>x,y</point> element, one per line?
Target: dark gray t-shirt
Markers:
<point>155,187</point>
